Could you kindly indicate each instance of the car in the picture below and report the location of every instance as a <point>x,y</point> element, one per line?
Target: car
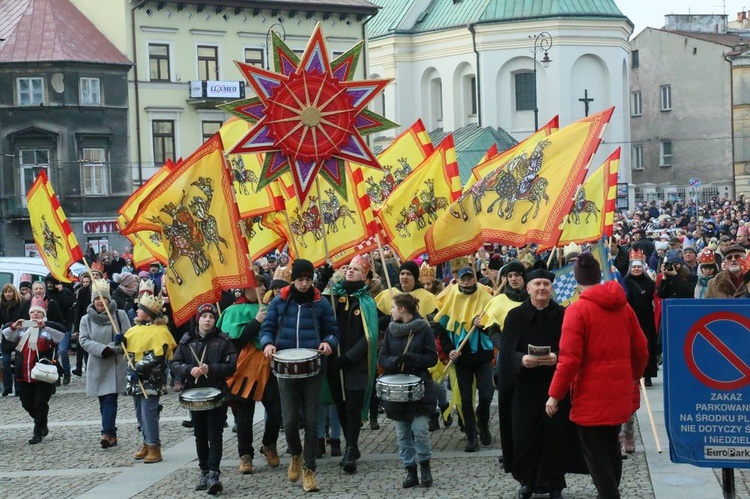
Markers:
<point>11,269</point>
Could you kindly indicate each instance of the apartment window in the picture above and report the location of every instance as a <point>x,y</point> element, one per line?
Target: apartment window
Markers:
<point>638,157</point>
<point>209,129</point>
<point>666,97</point>
<point>163,135</point>
<point>665,153</point>
<point>208,62</point>
<point>30,91</point>
<point>158,61</point>
<point>91,94</point>
<point>636,104</point>
<point>525,91</point>
<point>635,59</point>
<point>94,172</point>
<point>255,57</point>
<point>32,162</point>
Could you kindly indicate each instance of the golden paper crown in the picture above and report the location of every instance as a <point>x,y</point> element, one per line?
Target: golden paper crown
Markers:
<point>283,274</point>
<point>146,286</point>
<point>427,273</point>
<point>457,263</point>
<point>571,250</point>
<point>153,303</point>
<point>102,286</point>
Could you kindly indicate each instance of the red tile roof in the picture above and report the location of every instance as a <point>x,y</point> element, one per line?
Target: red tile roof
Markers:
<point>52,30</point>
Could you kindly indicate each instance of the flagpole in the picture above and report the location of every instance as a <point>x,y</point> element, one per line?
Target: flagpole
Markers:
<point>115,328</point>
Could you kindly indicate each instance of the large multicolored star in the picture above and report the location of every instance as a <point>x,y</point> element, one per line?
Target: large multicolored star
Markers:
<point>309,116</point>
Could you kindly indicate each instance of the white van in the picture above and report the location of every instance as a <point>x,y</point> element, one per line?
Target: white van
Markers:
<point>11,269</point>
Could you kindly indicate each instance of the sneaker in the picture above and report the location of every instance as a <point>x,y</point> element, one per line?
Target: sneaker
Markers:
<point>246,464</point>
<point>309,484</point>
<point>272,457</point>
<point>202,481</point>
<point>295,468</point>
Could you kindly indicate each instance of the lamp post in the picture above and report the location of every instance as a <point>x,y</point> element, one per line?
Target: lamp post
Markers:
<point>268,42</point>
<point>542,42</point>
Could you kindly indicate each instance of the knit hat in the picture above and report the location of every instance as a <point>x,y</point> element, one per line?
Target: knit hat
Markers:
<point>51,279</point>
<point>514,266</point>
<point>496,262</point>
<point>282,277</point>
<point>302,268</point>
<point>103,287</point>
<point>25,281</point>
<point>152,305</point>
<point>207,308</point>
<point>38,305</point>
<point>661,245</point>
<point>587,270</point>
<point>143,274</point>
<point>673,256</point>
<point>411,267</point>
<point>689,247</point>
<point>361,263</point>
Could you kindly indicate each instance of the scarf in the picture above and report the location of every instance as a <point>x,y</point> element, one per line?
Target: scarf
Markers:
<point>31,338</point>
<point>515,294</point>
<point>129,284</point>
<point>301,297</point>
<point>404,329</point>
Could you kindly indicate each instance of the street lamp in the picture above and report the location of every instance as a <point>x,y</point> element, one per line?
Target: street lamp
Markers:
<point>542,42</point>
<point>268,42</point>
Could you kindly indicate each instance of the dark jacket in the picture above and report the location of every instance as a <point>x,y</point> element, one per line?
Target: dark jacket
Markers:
<point>289,324</point>
<point>352,343</point>
<point>677,286</point>
<point>420,356</point>
<point>54,313</point>
<point>220,356</point>
<point>8,315</point>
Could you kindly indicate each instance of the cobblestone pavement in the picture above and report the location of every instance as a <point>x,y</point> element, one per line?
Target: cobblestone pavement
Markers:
<point>70,463</point>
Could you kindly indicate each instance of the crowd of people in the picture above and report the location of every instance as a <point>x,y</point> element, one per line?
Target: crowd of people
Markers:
<point>324,349</point>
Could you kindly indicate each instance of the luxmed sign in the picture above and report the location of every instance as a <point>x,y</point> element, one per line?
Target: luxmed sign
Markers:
<point>216,89</point>
<point>222,89</point>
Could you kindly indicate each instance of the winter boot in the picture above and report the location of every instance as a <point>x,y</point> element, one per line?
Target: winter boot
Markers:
<point>630,441</point>
<point>295,468</point>
<point>349,463</point>
<point>424,470</point>
<point>411,477</point>
<point>214,486</point>
<point>142,452</point>
<point>485,437</point>
<point>335,444</point>
<point>321,447</point>
<point>309,484</point>
<point>153,455</point>
<point>472,445</point>
<point>202,481</point>
<point>246,464</point>
<point>272,457</point>
<point>434,422</point>
<point>623,454</point>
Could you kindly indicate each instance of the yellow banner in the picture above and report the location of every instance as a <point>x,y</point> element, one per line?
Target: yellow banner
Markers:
<point>193,209</point>
<point>53,236</point>
<point>418,201</point>
<point>593,209</point>
<point>398,160</point>
<point>523,199</point>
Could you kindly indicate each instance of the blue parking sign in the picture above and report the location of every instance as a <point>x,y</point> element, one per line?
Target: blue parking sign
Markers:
<point>707,381</point>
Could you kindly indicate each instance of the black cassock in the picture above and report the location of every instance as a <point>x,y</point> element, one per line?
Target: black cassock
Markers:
<point>537,450</point>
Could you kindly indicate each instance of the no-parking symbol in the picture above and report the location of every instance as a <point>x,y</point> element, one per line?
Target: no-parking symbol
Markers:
<point>717,350</point>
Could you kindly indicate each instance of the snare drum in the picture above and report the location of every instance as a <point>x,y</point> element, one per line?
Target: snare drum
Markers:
<point>296,363</point>
<point>201,399</point>
<point>399,387</point>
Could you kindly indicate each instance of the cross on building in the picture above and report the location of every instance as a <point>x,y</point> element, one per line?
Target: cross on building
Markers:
<point>586,100</point>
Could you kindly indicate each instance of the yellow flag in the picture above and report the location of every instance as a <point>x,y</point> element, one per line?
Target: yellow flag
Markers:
<point>331,223</point>
<point>56,241</point>
<point>148,246</point>
<point>398,160</point>
<point>246,169</point>
<point>419,200</point>
<point>592,214</point>
<point>261,234</point>
<point>522,200</point>
<point>193,208</point>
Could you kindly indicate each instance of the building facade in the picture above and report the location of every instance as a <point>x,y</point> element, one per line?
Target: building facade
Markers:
<point>184,52</point>
<point>480,62</point>
<point>63,109</point>
<point>681,109</point>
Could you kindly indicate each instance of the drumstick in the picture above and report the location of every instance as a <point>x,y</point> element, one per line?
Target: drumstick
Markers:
<point>199,361</point>
<point>408,342</point>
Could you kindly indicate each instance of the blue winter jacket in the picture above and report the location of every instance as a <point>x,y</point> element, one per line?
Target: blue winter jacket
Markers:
<point>289,324</point>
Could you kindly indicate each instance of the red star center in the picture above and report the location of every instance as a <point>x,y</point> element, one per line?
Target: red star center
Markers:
<point>310,116</point>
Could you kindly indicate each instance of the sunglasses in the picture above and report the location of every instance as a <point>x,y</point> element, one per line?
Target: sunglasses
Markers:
<point>733,257</point>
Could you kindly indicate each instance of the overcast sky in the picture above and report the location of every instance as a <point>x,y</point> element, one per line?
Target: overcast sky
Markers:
<point>651,13</point>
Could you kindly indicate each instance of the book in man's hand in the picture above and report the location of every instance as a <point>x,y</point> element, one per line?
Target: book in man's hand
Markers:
<point>536,351</point>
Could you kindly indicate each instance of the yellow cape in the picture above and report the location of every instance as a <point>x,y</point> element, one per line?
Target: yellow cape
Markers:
<point>428,303</point>
<point>460,309</point>
<point>497,310</point>
<point>149,338</point>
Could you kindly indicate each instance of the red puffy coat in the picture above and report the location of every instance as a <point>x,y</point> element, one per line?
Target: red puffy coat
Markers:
<point>603,352</point>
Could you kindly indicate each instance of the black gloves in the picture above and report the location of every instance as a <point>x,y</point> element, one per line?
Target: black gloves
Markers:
<point>107,352</point>
<point>119,338</point>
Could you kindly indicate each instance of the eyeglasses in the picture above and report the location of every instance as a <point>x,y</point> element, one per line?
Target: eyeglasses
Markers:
<point>733,257</point>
